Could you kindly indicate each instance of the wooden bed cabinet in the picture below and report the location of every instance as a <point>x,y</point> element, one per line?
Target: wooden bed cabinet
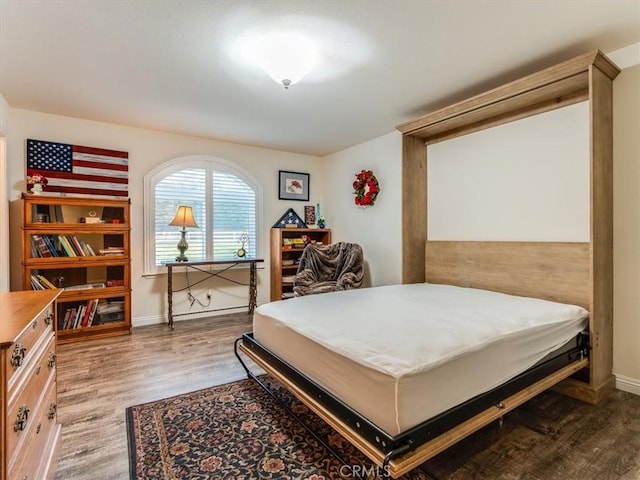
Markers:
<point>30,433</point>
<point>580,272</point>
<point>281,286</point>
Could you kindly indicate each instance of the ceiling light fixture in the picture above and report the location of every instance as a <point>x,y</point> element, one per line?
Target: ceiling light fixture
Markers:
<point>286,57</point>
<point>292,48</point>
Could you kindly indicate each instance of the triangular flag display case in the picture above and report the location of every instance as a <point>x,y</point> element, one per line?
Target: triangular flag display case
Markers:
<point>290,219</point>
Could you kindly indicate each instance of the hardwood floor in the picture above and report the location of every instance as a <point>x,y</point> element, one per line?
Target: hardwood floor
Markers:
<point>99,379</point>
<point>551,437</point>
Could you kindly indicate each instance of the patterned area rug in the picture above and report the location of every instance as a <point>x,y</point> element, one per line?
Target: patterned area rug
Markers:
<point>237,431</point>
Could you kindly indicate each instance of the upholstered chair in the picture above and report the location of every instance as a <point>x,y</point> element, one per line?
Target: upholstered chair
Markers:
<point>328,268</point>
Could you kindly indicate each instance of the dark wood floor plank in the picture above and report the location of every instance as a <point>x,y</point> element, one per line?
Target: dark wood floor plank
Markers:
<point>552,437</point>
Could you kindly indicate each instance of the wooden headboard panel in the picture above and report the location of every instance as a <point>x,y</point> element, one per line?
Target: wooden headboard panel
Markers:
<point>548,270</point>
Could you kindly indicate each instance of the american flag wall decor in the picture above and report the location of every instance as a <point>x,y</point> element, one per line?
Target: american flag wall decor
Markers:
<point>75,170</point>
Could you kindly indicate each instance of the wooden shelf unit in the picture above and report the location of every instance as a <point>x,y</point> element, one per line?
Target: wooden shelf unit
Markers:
<point>99,284</point>
<point>279,288</point>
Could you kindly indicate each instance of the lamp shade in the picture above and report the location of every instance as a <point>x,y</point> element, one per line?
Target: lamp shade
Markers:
<point>184,217</point>
<point>286,57</point>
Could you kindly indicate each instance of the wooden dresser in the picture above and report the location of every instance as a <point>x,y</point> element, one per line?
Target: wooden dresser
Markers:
<point>30,433</point>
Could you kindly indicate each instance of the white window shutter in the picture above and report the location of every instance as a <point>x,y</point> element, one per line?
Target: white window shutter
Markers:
<point>233,205</point>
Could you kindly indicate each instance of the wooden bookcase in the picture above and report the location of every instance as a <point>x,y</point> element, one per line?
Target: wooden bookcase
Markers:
<point>285,259</point>
<point>81,245</point>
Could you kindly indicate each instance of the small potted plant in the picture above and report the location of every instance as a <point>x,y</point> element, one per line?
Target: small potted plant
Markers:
<point>37,182</point>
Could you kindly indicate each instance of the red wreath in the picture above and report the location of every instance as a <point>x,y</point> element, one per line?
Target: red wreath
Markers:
<point>365,188</point>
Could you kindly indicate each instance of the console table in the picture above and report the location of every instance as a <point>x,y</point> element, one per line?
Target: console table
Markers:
<point>199,266</point>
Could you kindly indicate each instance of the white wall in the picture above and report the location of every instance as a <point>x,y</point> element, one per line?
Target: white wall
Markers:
<point>147,149</point>
<point>377,228</point>
<point>503,183</point>
<point>626,229</point>
<point>4,206</point>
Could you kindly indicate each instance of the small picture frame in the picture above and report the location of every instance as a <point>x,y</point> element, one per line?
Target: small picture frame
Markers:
<point>293,186</point>
<point>309,214</point>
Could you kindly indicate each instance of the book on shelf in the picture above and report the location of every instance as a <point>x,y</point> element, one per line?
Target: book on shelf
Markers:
<point>49,240</point>
<point>111,251</point>
<point>35,253</point>
<point>87,313</point>
<point>42,246</point>
<point>63,324</point>
<point>36,285</point>
<point>39,282</point>
<point>86,249</point>
<point>75,245</point>
<point>93,312</point>
<point>85,286</point>
<point>70,319</point>
<point>79,316</point>
<point>46,283</point>
<point>58,213</point>
<point>65,246</point>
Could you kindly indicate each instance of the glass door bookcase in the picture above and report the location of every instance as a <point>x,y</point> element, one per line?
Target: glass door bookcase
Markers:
<point>82,246</point>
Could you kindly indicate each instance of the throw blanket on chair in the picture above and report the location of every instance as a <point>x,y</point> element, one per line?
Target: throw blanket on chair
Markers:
<point>327,268</point>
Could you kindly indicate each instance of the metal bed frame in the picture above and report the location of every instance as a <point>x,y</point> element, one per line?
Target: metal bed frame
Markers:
<point>568,359</point>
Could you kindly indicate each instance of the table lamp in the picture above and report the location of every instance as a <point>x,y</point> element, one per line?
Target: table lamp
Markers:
<point>184,218</point>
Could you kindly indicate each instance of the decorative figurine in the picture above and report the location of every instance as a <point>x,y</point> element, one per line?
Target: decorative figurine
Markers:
<point>243,239</point>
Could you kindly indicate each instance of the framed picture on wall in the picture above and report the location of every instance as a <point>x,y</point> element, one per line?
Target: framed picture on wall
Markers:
<point>293,186</point>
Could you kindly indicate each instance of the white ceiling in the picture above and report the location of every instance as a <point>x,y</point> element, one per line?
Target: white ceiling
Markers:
<point>171,65</point>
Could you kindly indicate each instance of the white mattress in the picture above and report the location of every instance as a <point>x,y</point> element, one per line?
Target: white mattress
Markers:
<point>401,354</point>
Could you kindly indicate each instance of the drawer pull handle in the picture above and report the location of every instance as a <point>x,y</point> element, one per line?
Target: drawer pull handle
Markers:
<point>21,419</point>
<point>38,428</point>
<point>49,318</point>
<point>38,370</point>
<point>52,360</point>
<point>18,354</point>
<point>34,324</point>
<point>53,408</point>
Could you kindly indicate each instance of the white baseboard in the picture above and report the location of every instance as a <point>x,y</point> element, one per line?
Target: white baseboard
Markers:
<point>148,320</point>
<point>157,319</point>
<point>628,384</point>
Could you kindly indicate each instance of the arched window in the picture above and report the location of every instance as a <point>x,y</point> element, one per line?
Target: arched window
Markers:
<point>226,204</point>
